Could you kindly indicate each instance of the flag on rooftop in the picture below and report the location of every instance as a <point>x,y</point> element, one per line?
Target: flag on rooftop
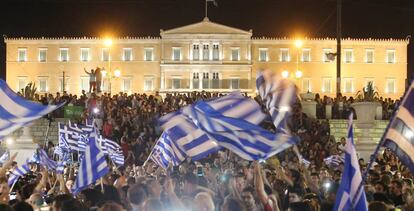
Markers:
<point>15,111</point>
<point>92,167</point>
<point>400,135</point>
<point>351,193</point>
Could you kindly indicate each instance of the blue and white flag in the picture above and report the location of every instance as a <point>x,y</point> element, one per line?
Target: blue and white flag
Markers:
<point>5,157</point>
<point>17,173</point>
<point>399,137</point>
<point>278,95</point>
<point>15,111</point>
<point>166,151</point>
<point>45,160</point>
<point>92,167</point>
<point>334,160</point>
<point>112,150</point>
<point>60,169</point>
<point>68,139</point>
<point>351,193</point>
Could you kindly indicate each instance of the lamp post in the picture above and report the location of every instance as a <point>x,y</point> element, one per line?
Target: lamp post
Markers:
<point>298,44</point>
<point>108,74</point>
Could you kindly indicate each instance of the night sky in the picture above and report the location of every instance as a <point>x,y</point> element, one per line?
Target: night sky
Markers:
<point>311,18</point>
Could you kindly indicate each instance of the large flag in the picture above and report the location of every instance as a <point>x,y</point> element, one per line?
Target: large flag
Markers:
<point>17,173</point>
<point>351,193</point>
<point>278,95</point>
<point>45,160</point>
<point>15,111</point>
<point>166,151</point>
<point>400,135</point>
<point>92,167</point>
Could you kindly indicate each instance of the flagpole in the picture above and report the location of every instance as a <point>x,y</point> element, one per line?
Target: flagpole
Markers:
<point>206,8</point>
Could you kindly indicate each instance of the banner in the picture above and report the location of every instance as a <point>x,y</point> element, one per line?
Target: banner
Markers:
<point>73,112</point>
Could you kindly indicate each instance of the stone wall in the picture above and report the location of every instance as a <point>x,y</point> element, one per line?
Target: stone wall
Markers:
<point>339,129</point>
<point>38,130</point>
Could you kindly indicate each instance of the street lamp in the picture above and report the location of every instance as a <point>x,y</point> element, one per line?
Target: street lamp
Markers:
<point>297,74</point>
<point>108,74</point>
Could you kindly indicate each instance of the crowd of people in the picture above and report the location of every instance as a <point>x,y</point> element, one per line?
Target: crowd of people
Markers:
<point>221,181</point>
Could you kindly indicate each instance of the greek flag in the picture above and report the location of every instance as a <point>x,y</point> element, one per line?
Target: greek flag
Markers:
<point>68,138</point>
<point>60,169</point>
<point>112,150</point>
<point>278,95</point>
<point>45,160</point>
<point>400,135</point>
<point>5,157</point>
<point>351,194</point>
<point>334,160</point>
<point>17,173</point>
<point>166,151</point>
<point>92,167</point>
<point>15,111</point>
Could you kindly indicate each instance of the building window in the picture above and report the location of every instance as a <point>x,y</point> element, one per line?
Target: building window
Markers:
<point>42,54</point>
<point>216,53</point>
<point>196,52</point>
<point>390,86</point>
<point>148,54</point>
<point>216,80</point>
<point>326,55</point>
<point>148,84</point>
<point>263,55</point>
<point>284,55</point>
<point>206,82</point>
<point>127,55</point>
<point>42,81</point>
<point>85,54</point>
<point>63,87</point>
<point>369,56</point>
<point>22,55</point>
<point>126,84</point>
<point>196,80</point>
<point>176,56</point>
<point>176,83</point>
<point>326,85</point>
<point>105,54</point>
<point>234,83</point>
<point>64,54</point>
<point>390,56</point>
<point>306,85</point>
<point>84,83</point>
<point>306,56</point>
<point>348,85</point>
<point>21,83</point>
<point>349,56</point>
<point>206,52</point>
<point>235,54</point>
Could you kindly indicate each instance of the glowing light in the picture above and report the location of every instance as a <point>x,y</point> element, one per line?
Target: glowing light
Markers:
<point>9,141</point>
<point>108,42</point>
<point>298,74</point>
<point>285,74</point>
<point>117,73</point>
<point>95,110</point>
<point>298,43</point>
<point>284,108</point>
<point>103,73</point>
<point>409,134</point>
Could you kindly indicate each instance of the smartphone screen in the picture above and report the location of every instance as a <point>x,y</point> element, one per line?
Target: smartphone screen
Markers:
<point>12,195</point>
<point>199,171</point>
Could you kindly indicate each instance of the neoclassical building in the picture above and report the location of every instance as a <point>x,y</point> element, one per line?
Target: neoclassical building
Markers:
<point>205,56</point>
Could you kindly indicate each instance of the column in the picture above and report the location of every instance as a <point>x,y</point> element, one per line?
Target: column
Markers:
<point>249,78</point>
<point>162,82</point>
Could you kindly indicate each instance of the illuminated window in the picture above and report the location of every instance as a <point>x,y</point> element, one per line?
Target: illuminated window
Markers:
<point>234,83</point>
<point>64,54</point>
<point>349,56</point>
<point>22,55</point>
<point>263,54</point>
<point>306,85</point>
<point>149,54</point>
<point>369,56</point>
<point>148,84</point>
<point>176,54</point>
<point>348,85</point>
<point>216,80</point>
<point>216,53</point>
<point>206,52</point>
<point>42,83</point>
<point>284,55</point>
<point>126,84</point>
<point>196,52</point>
<point>390,86</point>
<point>105,54</point>
<point>84,83</point>
<point>326,57</point>
<point>21,83</point>
<point>390,56</point>
<point>176,83</point>
<point>85,54</point>
<point>42,54</point>
<point>306,56</point>
<point>127,55</point>
<point>235,54</point>
<point>326,85</point>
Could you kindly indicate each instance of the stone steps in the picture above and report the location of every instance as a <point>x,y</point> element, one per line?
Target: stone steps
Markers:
<point>339,128</point>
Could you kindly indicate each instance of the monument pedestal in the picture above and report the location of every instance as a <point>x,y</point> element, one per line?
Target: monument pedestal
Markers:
<point>365,145</point>
<point>309,108</point>
<point>24,146</point>
<point>328,111</point>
